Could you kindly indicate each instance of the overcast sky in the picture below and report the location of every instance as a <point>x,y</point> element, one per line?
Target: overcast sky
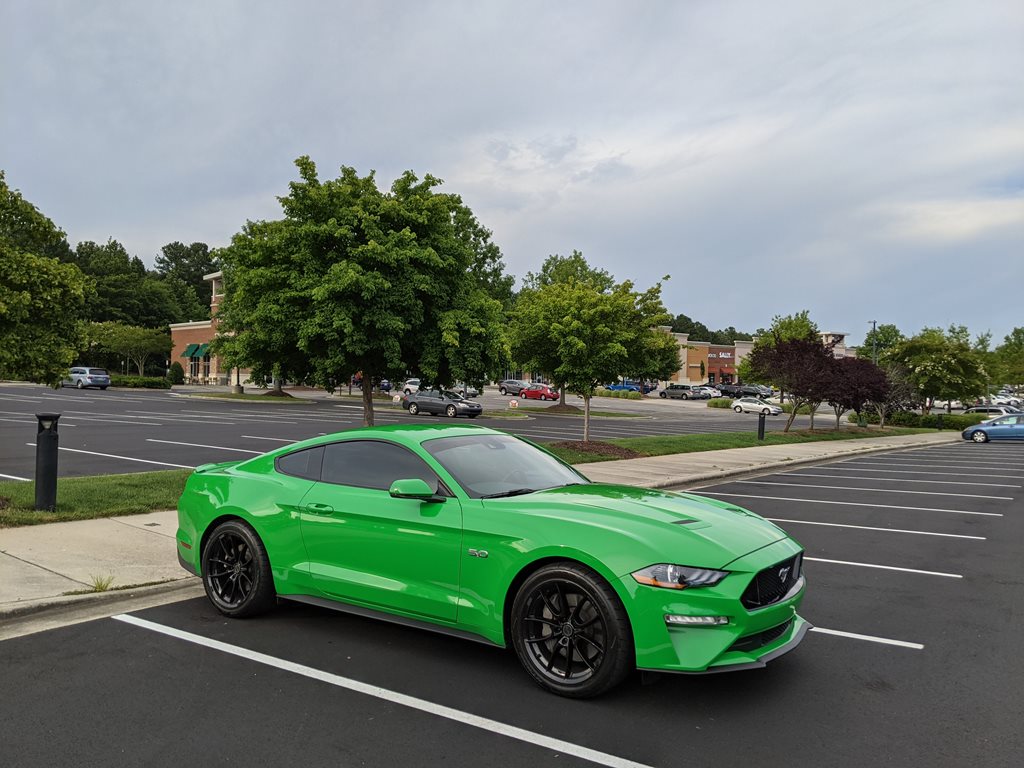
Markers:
<point>863,160</point>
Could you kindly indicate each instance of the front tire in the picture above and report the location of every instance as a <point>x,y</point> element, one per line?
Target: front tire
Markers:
<point>413,409</point>
<point>103,388</point>
<point>979,437</point>
<point>738,408</point>
<point>236,571</point>
<point>450,412</point>
<point>570,631</point>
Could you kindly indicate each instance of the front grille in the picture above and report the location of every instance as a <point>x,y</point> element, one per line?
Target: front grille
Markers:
<point>772,584</point>
<point>755,641</point>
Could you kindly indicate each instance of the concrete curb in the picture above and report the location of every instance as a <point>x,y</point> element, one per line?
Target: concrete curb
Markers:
<point>25,608</point>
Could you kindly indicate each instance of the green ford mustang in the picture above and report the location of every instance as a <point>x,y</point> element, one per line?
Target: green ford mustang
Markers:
<point>477,533</point>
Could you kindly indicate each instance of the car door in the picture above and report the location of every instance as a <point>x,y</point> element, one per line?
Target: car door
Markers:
<point>366,547</point>
<point>1002,429</point>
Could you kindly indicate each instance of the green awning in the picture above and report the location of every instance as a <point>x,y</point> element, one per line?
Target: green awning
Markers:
<point>189,350</point>
<point>201,350</point>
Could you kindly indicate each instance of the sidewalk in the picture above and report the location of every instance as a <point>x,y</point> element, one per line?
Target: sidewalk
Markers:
<point>40,564</point>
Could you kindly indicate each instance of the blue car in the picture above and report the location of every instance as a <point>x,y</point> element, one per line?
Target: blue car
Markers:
<point>625,386</point>
<point>1010,427</point>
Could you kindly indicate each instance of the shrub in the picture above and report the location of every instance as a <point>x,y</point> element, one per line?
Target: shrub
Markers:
<point>145,382</point>
<point>720,402</point>
<point>956,421</point>
<point>788,408</point>
<point>621,394</point>
<point>177,374</point>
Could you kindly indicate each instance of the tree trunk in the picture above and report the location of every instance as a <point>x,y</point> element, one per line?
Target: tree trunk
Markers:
<point>141,362</point>
<point>561,395</point>
<point>792,414</point>
<point>586,418</point>
<point>367,400</point>
<point>812,408</point>
<point>839,415</point>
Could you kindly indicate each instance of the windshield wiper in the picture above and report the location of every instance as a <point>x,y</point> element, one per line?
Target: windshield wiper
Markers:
<point>513,492</point>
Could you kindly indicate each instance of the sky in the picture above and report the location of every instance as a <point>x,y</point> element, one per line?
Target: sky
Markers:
<point>861,160</point>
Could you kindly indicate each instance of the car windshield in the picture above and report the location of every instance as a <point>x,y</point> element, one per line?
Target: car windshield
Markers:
<point>489,466</point>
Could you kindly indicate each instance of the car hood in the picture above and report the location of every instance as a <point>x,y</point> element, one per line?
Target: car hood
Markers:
<point>704,532</point>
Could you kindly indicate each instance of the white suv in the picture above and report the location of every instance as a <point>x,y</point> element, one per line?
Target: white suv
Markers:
<point>410,386</point>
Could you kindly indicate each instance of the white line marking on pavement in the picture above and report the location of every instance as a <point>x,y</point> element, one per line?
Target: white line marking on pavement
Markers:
<point>421,705</point>
<point>883,567</point>
<point>203,445</point>
<point>872,528</point>
<point>873,490</point>
<point>869,638</point>
<point>858,468</point>
<point>126,458</point>
<point>15,477</point>
<point>856,504</point>
<point>957,465</point>
<point>275,439</point>
<point>900,480</point>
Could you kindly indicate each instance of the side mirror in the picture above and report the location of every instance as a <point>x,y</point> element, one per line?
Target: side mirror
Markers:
<point>414,488</point>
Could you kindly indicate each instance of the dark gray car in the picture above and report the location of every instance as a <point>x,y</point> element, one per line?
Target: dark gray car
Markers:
<point>441,402</point>
<point>512,386</point>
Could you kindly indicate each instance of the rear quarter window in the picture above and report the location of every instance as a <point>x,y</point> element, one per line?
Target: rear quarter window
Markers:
<point>306,463</point>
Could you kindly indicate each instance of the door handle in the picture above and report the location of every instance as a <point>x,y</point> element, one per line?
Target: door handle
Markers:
<point>319,509</point>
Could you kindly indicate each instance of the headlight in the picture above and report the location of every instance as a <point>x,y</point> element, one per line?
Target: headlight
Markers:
<point>678,576</point>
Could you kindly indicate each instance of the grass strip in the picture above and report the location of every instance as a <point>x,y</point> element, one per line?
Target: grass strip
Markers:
<point>88,498</point>
<point>665,444</point>
<point>261,398</point>
<point>593,413</point>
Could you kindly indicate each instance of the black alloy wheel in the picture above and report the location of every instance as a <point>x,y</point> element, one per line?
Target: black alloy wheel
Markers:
<point>451,411</point>
<point>413,408</point>
<point>570,631</point>
<point>236,571</point>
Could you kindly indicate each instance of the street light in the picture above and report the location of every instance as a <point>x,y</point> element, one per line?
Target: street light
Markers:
<point>874,342</point>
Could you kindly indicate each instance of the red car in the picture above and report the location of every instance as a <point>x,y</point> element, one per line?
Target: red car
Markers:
<point>539,392</point>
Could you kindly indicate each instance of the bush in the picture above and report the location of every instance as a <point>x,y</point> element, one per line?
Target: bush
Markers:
<point>621,394</point>
<point>956,421</point>
<point>177,374</point>
<point>720,402</point>
<point>145,382</point>
<point>788,408</point>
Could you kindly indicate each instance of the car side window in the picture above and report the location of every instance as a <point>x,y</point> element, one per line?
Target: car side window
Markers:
<point>305,463</point>
<point>373,464</point>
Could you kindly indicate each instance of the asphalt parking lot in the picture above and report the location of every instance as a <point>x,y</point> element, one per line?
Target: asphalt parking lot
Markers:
<point>115,431</point>
<point>913,565</point>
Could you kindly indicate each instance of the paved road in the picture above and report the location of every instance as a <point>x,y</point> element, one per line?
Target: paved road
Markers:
<point>914,582</point>
<point>112,431</point>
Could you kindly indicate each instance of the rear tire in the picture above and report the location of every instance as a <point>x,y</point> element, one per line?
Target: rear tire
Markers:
<point>765,411</point>
<point>80,385</point>
<point>236,571</point>
<point>663,396</point>
<point>502,391</point>
<point>103,388</point>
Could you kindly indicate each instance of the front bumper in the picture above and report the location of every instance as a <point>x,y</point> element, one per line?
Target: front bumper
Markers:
<point>751,638</point>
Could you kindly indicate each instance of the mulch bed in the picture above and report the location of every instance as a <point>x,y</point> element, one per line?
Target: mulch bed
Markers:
<point>559,408</point>
<point>600,449</point>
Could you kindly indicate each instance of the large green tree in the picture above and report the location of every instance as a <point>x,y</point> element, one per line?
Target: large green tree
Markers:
<point>1011,357</point>
<point>135,343</point>
<point>941,365</point>
<point>42,299</point>
<point>183,267</point>
<point>879,341</point>
<point>357,280</point>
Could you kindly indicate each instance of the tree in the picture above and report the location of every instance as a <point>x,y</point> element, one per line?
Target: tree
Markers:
<point>880,340</point>
<point>800,366</point>
<point>569,269</point>
<point>697,330</point>
<point>584,336</point>
<point>899,393</point>
<point>42,299</point>
<point>1011,357</point>
<point>356,280</point>
<point>941,366</point>
<point>854,382</point>
<point>783,328</point>
<point>186,265</point>
<point>133,342</point>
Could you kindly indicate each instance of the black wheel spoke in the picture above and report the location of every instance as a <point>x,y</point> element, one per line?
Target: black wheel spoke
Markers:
<point>548,603</point>
<point>574,617</point>
<point>595,645</point>
<point>540,620</point>
<point>570,648</point>
<point>562,605</point>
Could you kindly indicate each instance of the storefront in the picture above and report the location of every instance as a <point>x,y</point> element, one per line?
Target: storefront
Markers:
<point>721,364</point>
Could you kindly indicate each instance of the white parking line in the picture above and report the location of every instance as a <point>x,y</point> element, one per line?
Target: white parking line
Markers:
<point>873,490</point>
<point>15,477</point>
<point>858,468</point>
<point>421,705</point>
<point>936,464</point>
<point>855,504</point>
<point>869,638</point>
<point>899,480</point>
<point>883,567</point>
<point>873,528</point>
<point>275,439</point>
<point>126,458</point>
<point>203,445</point>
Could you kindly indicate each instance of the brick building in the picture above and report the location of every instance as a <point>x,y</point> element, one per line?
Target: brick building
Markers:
<point>190,343</point>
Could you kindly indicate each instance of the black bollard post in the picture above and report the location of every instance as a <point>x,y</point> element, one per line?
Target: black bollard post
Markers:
<point>46,461</point>
<point>760,426</point>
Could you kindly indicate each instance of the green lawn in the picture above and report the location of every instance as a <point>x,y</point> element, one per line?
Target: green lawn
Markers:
<point>85,498</point>
<point>593,412</point>
<point>665,444</point>
<point>262,398</point>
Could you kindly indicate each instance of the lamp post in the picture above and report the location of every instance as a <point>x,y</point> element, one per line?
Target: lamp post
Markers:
<point>874,342</point>
<point>46,461</point>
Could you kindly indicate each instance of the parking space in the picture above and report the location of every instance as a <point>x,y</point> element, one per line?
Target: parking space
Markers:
<point>114,431</point>
<point>912,560</point>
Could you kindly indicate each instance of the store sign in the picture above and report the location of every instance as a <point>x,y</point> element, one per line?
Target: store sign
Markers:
<point>722,355</point>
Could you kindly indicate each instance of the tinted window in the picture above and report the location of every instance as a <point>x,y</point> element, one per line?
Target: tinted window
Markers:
<point>98,371</point>
<point>373,464</point>
<point>302,463</point>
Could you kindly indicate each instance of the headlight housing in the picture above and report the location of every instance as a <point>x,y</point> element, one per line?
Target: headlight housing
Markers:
<point>678,576</point>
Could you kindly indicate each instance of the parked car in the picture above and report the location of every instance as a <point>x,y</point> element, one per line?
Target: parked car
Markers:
<point>622,386</point>
<point>470,531</point>
<point>539,392</point>
<point>411,385</point>
<point>512,386</point>
<point>441,401</point>
<point>711,391</point>
<point>1005,400</point>
<point>1009,427</point>
<point>466,390</point>
<point>730,390</point>
<point>755,405</point>
<point>947,404</point>
<point>992,410</point>
<point>83,377</point>
<point>683,392</point>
